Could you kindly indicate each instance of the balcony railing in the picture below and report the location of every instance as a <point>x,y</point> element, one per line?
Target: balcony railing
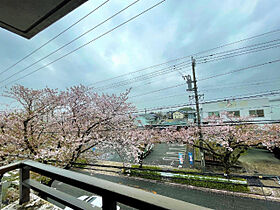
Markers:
<point>111,192</point>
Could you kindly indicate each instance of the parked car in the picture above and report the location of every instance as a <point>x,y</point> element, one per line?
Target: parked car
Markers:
<point>94,200</point>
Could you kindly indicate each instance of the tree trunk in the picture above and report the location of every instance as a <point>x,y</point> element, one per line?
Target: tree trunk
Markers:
<point>141,160</point>
<point>226,162</point>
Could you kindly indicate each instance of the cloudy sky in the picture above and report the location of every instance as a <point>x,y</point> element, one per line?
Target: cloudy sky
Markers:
<point>174,29</point>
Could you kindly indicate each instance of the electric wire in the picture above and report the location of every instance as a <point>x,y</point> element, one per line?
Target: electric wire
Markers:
<point>210,77</point>
<point>87,43</point>
<point>155,91</point>
<point>162,71</point>
<point>56,36</point>
<point>232,50</point>
<point>142,77</point>
<point>241,69</point>
<point>205,89</point>
<point>188,56</point>
<point>70,42</point>
<point>236,97</point>
<point>212,59</point>
<point>232,55</point>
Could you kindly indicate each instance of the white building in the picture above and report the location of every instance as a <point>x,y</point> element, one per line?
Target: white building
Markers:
<point>178,115</point>
<point>275,108</point>
<point>256,109</point>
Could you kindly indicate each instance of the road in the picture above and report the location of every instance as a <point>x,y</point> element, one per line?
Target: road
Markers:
<point>165,154</point>
<point>162,154</point>
<point>261,161</point>
<point>210,200</point>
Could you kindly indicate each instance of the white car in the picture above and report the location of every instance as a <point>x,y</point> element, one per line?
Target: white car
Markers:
<point>94,200</point>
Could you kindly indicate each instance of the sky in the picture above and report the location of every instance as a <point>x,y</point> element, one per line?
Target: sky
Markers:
<point>174,29</point>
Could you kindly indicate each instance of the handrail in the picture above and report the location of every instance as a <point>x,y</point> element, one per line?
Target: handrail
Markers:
<point>10,167</point>
<point>110,192</point>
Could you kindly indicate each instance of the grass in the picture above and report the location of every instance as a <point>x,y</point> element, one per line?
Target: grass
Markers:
<point>213,182</point>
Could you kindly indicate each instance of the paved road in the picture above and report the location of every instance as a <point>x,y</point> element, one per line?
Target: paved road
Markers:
<point>210,200</point>
<point>162,154</point>
<point>165,154</point>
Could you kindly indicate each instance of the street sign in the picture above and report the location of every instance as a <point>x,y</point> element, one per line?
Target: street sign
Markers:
<point>93,149</point>
<point>181,160</point>
<point>190,158</point>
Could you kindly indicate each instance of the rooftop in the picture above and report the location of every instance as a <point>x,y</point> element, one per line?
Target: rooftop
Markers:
<point>27,18</point>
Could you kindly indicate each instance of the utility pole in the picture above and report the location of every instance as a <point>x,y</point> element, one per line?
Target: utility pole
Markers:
<point>198,119</point>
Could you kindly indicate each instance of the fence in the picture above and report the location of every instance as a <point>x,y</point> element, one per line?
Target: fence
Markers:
<point>111,192</point>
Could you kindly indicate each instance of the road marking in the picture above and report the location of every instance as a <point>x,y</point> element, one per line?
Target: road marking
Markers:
<point>172,153</point>
<point>170,158</point>
<point>179,150</point>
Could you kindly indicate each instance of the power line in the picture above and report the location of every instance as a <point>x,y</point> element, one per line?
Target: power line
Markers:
<point>216,58</point>
<point>236,97</point>
<point>56,36</point>
<point>213,76</point>
<point>269,93</point>
<point>240,85</point>
<point>232,55</point>
<point>165,70</point>
<point>211,124</point>
<point>107,32</point>
<point>70,42</point>
<point>248,46</point>
<point>174,67</point>
<point>241,69</point>
<point>188,56</point>
<point>206,89</point>
<point>226,123</point>
<point>142,77</point>
<point>155,91</point>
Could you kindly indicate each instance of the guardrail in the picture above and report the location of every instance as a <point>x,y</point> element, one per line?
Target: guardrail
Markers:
<point>111,192</point>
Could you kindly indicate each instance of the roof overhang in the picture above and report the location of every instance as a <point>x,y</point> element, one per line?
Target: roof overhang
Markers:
<point>28,17</point>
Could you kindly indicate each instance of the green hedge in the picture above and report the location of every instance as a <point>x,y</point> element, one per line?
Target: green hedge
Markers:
<point>199,182</point>
<point>208,184</point>
<point>146,174</point>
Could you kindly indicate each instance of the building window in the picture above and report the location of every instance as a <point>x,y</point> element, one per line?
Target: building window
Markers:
<point>216,114</point>
<point>234,113</point>
<point>256,113</point>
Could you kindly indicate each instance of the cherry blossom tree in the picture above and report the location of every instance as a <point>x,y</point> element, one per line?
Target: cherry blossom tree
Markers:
<point>228,142</point>
<point>61,126</point>
<point>272,138</point>
<point>224,141</point>
<point>87,119</point>
<point>23,130</point>
<point>64,125</point>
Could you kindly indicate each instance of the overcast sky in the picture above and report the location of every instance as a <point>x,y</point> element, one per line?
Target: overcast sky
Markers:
<point>174,29</point>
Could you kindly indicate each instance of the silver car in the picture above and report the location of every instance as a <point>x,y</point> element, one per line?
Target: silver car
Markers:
<point>94,200</point>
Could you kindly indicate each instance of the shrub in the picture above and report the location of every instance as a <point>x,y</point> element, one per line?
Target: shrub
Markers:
<point>212,182</point>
